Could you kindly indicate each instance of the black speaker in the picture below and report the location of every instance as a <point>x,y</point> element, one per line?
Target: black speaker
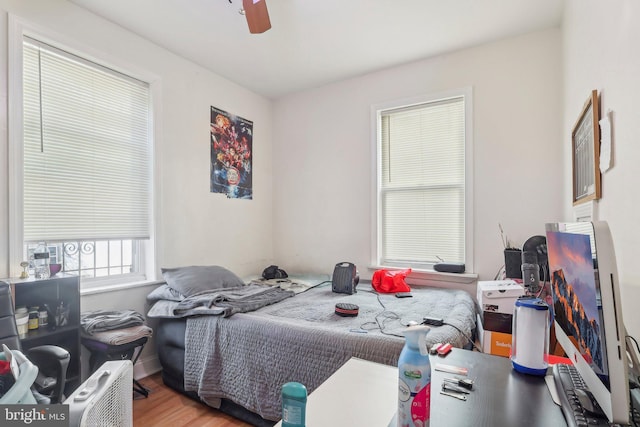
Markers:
<point>449,267</point>
<point>513,263</point>
<point>345,278</point>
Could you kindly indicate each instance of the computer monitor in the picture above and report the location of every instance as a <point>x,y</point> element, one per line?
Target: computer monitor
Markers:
<point>588,311</point>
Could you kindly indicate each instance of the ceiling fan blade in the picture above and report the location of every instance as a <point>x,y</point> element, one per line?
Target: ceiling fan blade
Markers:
<point>257,15</point>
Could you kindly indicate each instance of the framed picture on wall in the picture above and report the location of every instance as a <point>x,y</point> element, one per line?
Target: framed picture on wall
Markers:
<point>585,142</point>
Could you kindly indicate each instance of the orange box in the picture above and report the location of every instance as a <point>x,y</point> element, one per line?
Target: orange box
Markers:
<point>491,342</point>
<point>497,343</point>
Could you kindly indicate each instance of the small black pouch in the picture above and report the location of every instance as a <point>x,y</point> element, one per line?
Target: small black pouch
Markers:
<point>273,272</point>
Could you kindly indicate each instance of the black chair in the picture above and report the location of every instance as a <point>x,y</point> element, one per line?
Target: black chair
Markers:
<point>52,361</point>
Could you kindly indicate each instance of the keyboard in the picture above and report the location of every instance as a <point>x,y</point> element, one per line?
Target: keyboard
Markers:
<point>574,396</point>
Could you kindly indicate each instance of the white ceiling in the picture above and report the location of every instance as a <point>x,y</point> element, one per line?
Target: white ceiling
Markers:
<point>314,42</point>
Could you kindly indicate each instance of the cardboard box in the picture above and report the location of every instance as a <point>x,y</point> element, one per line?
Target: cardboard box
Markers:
<point>497,322</point>
<point>491,342</point>
<point>498,296</point>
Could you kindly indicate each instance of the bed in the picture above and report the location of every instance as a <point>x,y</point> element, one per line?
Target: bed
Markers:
<point>237,360</point>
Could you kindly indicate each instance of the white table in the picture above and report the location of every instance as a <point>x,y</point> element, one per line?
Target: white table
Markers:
<point>365,394</point>
<point>360,393</point>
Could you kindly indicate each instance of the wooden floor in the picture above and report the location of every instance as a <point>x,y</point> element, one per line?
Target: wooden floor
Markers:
<point>166,407</point>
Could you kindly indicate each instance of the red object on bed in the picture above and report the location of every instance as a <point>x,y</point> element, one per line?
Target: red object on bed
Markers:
<point>385,281</point>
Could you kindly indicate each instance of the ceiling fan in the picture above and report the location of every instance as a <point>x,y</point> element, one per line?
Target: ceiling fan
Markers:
<point>257,15</point>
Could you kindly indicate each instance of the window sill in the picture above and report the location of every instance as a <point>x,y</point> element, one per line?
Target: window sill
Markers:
<point>105,288</point>
<point>420,277</point>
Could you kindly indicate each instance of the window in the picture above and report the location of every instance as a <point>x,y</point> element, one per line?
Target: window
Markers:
<point>87,158</point>
<point>103,258</point>
<point>422,182</point>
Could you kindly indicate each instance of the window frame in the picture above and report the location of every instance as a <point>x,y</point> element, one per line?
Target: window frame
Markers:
<point>59,253</point>
<point>376,205</point>
<point>18,29</point>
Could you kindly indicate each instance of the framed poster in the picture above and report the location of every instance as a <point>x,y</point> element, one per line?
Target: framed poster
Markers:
<point>585,149</point>
<point>231,155</point>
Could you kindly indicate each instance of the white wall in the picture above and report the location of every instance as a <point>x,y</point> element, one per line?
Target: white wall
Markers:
<point>4,160</point>
<point>312,150</point>
<point>196,226</point>
<point>323,160</point>
<point>601,52</point>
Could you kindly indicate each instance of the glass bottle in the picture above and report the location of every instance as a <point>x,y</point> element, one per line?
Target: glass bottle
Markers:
<point>41,261</point>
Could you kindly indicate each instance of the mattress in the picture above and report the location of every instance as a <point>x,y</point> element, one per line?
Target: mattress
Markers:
<point>248,356</point>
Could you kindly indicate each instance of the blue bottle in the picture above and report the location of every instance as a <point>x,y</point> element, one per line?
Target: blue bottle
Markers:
<point>414,379</point>
<point>294,402</point>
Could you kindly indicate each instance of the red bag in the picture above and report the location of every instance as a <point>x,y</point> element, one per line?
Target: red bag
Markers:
<point>385,281</point>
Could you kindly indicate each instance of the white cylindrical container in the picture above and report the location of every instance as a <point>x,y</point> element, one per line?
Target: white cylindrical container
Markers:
<point>530,341</point>
<point>22,323</point>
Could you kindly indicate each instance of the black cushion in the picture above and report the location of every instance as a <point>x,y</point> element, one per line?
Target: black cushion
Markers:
<point>8,328</point>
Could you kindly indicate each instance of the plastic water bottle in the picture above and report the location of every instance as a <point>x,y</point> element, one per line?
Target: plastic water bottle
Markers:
<point>41,262</point>
<point>294,403</point>
<point>414,379</point>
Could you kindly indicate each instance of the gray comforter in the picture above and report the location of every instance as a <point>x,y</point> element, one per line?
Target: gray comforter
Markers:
<point>247,357</point>
<point>219,302</point>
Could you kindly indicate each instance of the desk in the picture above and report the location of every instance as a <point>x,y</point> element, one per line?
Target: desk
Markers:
<point>360,393</point>
<point>363,393</point>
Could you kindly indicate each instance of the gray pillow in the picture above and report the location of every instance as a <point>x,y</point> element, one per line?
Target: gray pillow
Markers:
<point>195,280</point>
<point>164,292</point>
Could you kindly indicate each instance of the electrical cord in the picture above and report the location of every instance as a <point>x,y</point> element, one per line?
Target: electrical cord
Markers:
<point>635,342</point>
<point>388,316</point>
<point>542,288</point>
<point>464,335</point>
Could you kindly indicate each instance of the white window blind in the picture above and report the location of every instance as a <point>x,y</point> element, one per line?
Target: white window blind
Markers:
<point>422,184</point>
<point>87,168</point>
